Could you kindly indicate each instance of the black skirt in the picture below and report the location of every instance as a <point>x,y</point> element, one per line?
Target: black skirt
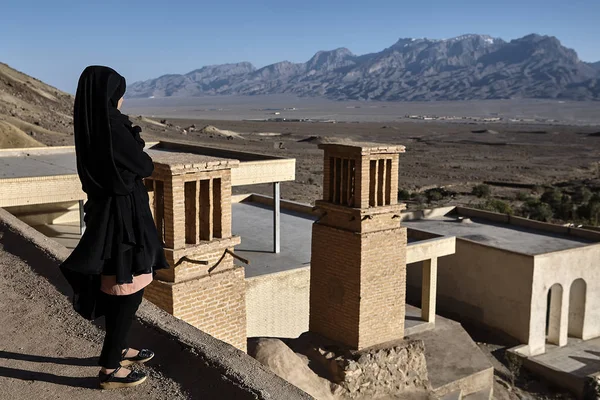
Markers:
<point>120,239</point>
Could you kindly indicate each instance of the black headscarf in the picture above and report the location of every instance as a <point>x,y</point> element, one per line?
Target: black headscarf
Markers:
<point>109,148</point>
<point>120,238</point>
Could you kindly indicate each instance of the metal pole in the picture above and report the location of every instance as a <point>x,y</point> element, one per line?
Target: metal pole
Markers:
<point>81,216</point>
<point>276,218</point>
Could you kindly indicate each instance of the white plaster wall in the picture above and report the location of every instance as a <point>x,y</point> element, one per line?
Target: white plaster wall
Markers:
<point>277,305</point>
<point>564,268</point>
<point>51,213</point>
<point>481,283</point>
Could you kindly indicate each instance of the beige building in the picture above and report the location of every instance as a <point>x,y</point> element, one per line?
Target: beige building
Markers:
<point>537,282</point>
<point>190,194</point>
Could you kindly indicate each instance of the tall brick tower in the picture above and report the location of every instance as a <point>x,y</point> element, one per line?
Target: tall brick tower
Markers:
<point>358,262</point>
<point>190,197</point>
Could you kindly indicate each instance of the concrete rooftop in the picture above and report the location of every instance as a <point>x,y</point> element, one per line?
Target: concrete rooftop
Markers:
<point>30,164</point>
<point>254,223</point>
<point>502,236</point>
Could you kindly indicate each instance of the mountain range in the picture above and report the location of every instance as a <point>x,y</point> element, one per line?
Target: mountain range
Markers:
<point>463,68</point>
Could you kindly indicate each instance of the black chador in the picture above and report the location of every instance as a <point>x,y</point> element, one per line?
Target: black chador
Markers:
<point>120,237</point>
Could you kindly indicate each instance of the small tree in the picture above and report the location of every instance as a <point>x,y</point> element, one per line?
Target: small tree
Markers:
<point>481,191</point>
<point>566,208</point>
<point>537,210</point>
<point>582,195</point>
<point>591,210</point>
<point>403,194</point>
<point>552,197</point>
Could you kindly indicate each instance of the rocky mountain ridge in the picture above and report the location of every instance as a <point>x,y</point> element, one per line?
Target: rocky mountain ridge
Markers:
<point>462,68</point>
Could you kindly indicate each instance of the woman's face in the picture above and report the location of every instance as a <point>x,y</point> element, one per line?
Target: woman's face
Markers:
<point>120,103</point>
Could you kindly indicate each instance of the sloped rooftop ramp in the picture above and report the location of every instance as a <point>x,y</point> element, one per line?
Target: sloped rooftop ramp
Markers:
<point>47,351</point>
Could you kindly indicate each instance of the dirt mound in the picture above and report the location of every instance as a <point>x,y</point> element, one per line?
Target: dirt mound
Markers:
<point>214,131</point>
<point>151,121</point>
<point>276,355</point>
<point>12,137</point>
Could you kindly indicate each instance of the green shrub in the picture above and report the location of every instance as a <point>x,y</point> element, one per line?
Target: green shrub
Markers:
<point>522,196</point>
<point>552,197</point>
<point>495,205</point>
<point>434,195</point>
<point>481,191</point>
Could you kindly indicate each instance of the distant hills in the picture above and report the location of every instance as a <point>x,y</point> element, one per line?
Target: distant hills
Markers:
<point>463,68</point>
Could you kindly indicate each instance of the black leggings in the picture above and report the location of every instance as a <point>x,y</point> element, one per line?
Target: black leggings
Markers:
<point>119,314</point>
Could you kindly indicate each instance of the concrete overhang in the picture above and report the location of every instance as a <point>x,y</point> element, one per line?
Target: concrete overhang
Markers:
<point>431,248</point>
<point>253,168</point>
<point>44,175</point>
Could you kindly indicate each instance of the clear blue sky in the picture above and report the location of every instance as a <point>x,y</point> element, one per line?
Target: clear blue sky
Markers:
<point>53,40</point>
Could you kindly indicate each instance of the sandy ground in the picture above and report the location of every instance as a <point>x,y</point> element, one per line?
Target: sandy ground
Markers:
<point>49,352</point>
<point>452,155</point>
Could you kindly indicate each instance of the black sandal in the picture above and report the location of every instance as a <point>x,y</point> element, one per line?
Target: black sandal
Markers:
<point>110,381</point>
<point>143,356</point>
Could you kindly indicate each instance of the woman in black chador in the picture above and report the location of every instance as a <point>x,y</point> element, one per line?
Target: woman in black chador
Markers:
<point>120,249</point>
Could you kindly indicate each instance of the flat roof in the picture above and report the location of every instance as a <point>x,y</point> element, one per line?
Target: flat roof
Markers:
<point>49,165</point>
<point>503,236</point>
<point>254,223</point>
<point>31,163</point>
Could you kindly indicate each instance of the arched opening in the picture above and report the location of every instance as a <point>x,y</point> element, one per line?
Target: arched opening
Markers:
<point>577,308</point>
<point>554,309</point>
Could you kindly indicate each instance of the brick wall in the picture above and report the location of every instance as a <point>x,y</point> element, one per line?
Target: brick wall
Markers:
<point>356,279</point>
<point>335,284</point>
<point>215,304</point>
<point>383,288</point>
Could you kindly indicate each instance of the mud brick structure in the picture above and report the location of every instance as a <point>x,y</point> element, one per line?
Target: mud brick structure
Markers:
<point>358,261</point>
<point>190,198</point>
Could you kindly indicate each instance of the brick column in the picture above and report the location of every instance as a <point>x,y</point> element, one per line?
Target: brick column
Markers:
<point>358,258</point>
<point>174,212</point>
<point>203,287</point>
